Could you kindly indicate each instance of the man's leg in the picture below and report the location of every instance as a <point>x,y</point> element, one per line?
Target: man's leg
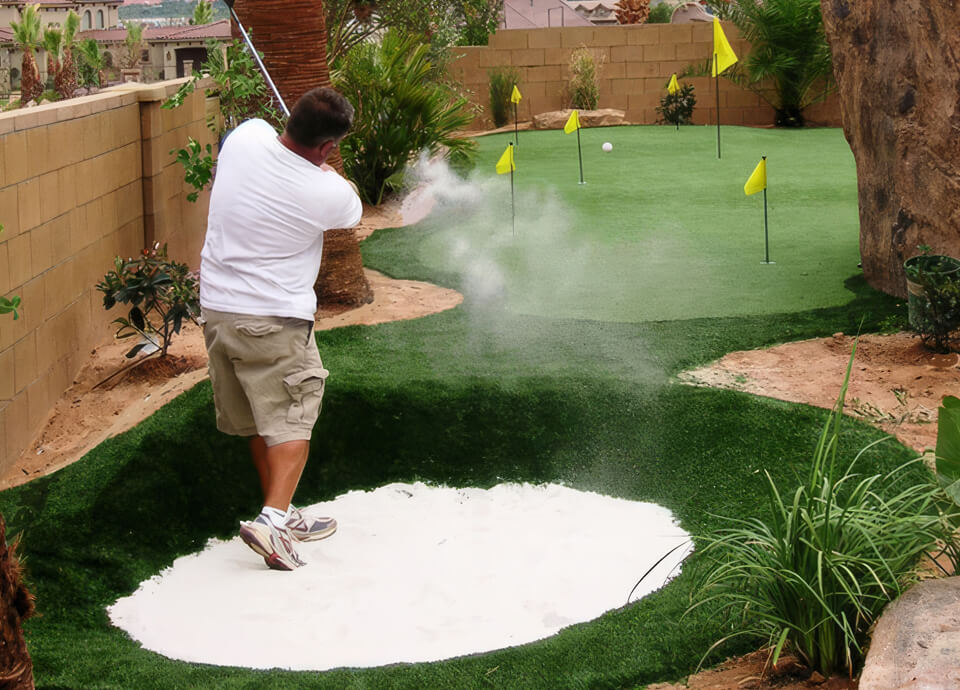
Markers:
<point>279,467</point>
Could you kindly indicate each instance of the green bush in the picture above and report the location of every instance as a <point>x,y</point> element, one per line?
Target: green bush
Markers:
<point>933,287</point>
<point>660,14</point>
<point>818,574</point>
<point>789,64</point>
<point>403,108</point>
<point>502,81</point>
<point>162,293</point>
<point>584,80</point>
<point>677,108</point>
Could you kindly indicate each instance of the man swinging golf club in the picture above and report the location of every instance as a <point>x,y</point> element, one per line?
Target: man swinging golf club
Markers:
<point>272,200</point>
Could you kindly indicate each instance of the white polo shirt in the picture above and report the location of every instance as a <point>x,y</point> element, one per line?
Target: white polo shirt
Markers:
<point>268,210</point>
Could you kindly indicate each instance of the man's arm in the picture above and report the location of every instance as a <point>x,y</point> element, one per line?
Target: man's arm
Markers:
<point>327,166</point>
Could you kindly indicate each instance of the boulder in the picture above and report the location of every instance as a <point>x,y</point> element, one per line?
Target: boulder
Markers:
<point>917,641</point>
<point>896,65</point>
<point>556,119</point>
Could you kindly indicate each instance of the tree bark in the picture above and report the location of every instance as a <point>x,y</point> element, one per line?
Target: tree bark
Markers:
<point>896,65</point>
<point>292,36</point>
<point>16,605</point>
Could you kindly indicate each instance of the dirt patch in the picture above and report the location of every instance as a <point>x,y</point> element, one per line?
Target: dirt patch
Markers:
<point>107,397</point>
<point>896,384</point>
<point>751,672</point>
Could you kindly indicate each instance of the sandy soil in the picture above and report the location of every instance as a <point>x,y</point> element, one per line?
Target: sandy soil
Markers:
<point>895,384</point>
<point>95,407</point>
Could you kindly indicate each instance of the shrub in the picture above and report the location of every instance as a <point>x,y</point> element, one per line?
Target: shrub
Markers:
<point>933,287</point>
<point>198,167</point>
<point>402,109</point>
<point>660,14</point>
<point>584,80</point>
<point>820,570</point>
<point>677,108</point>
<point>789,64</point>
<point>161,292</point>
<point>502,81</point>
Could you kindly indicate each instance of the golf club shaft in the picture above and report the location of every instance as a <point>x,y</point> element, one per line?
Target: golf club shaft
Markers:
<point>256,56</point>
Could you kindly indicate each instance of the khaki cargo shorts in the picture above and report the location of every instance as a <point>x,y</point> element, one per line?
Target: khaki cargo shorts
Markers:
<point>267,376</point>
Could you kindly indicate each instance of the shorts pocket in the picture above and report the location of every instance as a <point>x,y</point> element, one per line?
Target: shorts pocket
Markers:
<point>257,328</point>
<point>306,394</point>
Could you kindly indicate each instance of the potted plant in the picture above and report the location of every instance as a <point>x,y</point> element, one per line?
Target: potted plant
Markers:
<point>933,298</point>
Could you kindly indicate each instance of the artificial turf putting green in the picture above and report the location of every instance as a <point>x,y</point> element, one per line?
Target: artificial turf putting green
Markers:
<point>662,229</point>
<point>470,397</point>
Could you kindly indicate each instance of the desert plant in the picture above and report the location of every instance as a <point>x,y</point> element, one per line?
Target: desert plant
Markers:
<point>584,86</point>
<point>502,81</point>
<point>59,46</point>
<point>402,109</point>
<point>660,14</point>
<point>162,293</point>
<point>789,63</point>
<point>27,34</point>
<point>632,11</point>
<point>90,64</point>
<point>819,571</point>
<point>933,293</point>
<point>677,108</point>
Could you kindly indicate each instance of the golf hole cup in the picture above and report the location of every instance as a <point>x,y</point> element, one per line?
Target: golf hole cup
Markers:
<point>607,147</point>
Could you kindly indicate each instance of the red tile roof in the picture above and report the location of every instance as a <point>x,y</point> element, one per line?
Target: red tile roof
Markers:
<point>200,32</point>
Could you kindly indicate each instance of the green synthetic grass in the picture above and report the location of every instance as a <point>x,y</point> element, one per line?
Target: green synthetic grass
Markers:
<point>470,397</point>
<point>662,229</point>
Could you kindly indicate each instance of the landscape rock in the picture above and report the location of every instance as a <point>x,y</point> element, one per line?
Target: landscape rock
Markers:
<point>917,640</point>
<point>896,65</point>
<point>556,119</point>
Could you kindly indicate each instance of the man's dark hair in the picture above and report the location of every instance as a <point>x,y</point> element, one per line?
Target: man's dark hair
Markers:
<point>320,115</point>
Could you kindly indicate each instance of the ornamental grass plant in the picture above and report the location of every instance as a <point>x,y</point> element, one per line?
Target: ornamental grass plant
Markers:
<point>816,576</point>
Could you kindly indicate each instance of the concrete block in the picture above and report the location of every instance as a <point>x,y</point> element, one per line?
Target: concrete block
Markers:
<point>514,39</point>
<point>7,123</point>
<point>7,388</point>
<point>527,57</point>
<point>38,404</point>
<point>610,36</point>
<point>25,362</point>
<point>38,148</point>
<point>644,35</point>
<point>494,58</point>
<point>41,249</point>
<point>9,212</point>
<point>49,195</point>
<point>60,238</point>
<point>676,33</point>
<point>641,70</point>
<point>557,56</point>
<point>625,53</point>
<point>543,38</point>
<point>17,429</point>
<point>15,161</point>
<point>34,304</point>
<point>576,36</point>
<point>546,73</point>
<point>18,260</point>
<point>28,201</point>
<point>659,53</point>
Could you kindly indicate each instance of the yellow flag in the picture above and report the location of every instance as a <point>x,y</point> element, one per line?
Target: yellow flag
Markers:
<point>758,179</point>
<point>723,55</point>
<point>515,96</point>
<point>573,123</point>
<point>506,164</point>
<point>673,86</point>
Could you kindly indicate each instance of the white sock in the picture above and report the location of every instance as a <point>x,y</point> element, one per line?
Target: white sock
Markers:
<point>275,515</point>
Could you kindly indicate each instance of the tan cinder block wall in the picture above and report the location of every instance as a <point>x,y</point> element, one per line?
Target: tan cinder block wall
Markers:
<point>637,63</point>
<point>77,188</point>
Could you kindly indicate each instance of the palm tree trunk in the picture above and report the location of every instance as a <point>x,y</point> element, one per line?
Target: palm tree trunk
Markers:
<point>16,605</point>
<point>292,36</point>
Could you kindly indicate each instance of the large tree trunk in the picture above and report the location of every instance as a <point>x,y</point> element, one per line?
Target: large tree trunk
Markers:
<point>896,65</point>
<point>16,605</point>
<point>292,36</point>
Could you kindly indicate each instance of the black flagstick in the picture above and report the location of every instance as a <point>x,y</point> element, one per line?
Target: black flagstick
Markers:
<point>766,234</point>
<point>513,208</point>
<point>516,136</point>
<point>579,153</point>
<point>716,65</point>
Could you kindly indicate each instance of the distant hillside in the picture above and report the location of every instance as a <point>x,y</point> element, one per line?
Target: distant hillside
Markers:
<point>168,8</point>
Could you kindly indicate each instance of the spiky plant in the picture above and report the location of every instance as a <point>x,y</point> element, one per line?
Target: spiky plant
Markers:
<point>632,11</point>
<point>26,33</point>
<point>52,44</point>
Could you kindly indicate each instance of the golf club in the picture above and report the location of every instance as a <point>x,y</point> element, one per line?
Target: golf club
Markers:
<point>256,56</point>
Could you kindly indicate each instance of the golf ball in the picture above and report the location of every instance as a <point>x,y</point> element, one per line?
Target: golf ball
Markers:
<point>607,146</point>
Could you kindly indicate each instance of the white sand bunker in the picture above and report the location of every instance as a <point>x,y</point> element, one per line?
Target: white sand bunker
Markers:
<point>415,573</point>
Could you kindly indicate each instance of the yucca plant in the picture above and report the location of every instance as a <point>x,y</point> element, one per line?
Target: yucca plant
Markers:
<point>789,64</point>
<point>817,573</point>
<point>502,81</point>
<point>27,33</point>
<point>402,107</point>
